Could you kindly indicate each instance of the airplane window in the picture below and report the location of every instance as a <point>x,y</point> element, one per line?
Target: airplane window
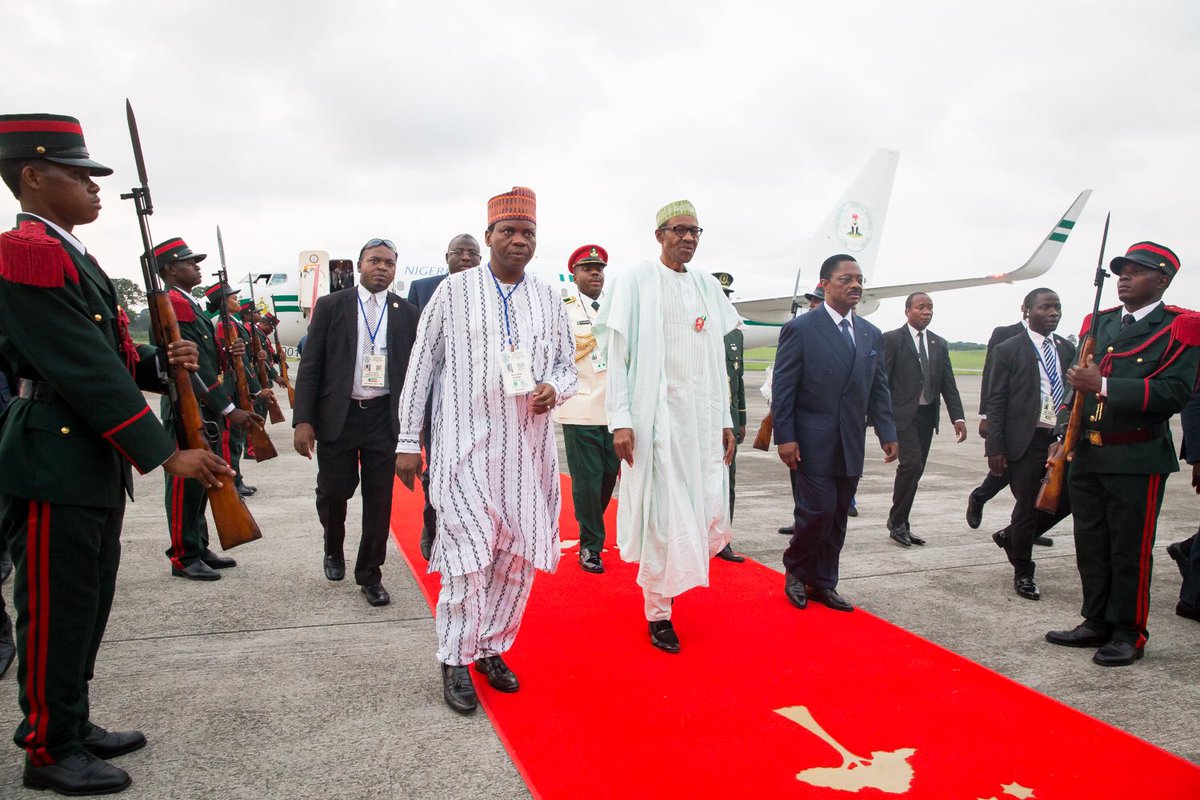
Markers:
<point>279,277</point>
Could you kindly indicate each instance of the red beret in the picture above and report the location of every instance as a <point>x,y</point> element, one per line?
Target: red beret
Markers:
<point>588,254</point>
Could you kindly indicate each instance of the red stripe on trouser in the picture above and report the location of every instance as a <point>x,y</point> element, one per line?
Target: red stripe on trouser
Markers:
<point>37,574</point>
<point>1148,526</point>
<point>177,522</point>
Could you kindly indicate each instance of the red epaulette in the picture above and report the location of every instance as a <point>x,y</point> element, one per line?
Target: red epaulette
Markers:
<point>185,311</point>
<point>1087,322</point>
<point>30,256</point>
<point>1186,328</point>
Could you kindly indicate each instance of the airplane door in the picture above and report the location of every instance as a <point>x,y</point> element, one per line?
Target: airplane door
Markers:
<point>314,269</point>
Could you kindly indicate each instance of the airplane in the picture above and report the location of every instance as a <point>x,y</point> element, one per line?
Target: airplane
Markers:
<point>765,295</point>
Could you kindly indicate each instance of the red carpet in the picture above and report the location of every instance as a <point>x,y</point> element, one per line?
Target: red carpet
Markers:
<point>767,701</point>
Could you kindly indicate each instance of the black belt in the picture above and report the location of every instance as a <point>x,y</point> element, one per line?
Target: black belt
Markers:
<point>1135,436</point>
<point>382,400</point>
<point>40,391</point>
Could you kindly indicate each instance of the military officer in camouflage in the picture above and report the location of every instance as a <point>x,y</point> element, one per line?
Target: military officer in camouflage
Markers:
<point>186,500</point>
<point>67,443</point>
<point>1141,375</point>
<point>224,293</point>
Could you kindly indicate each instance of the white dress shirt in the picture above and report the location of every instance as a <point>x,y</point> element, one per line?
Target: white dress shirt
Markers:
<point>357,390</point>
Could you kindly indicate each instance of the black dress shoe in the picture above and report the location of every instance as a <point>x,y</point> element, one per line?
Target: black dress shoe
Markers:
<point>663,636</point>
<point>726,554</point>
<point>5,566</point>
<point>831,598</point>
<point>110,744</point>
<point>246,491</point>
<point>217,562</point>
<point>1044,541</point>
<point>589,561</point>
<point>788,531</point>
<point>1117,654</point>
<point>376,594</point>
<point>1181,608</point>
<point>8,651</point>
<point>900,535</point>
<point>1027,588</point>
<point>335,568</point>
<point>974,511</point>
<point>793,590</point>
<point>196,571</point>
<point>1000,537</point>
<point>1079,636</point>
<point>912,537</point>
<point>457,689</point>
<point>499,676</point>
<point>852,511</point>
<point>426,542</point>
<point>77,774</point>
<point>1175,551</point>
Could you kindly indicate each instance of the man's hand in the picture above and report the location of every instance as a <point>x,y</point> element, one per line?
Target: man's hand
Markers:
<point>741,434</point>
<point>408,467</point>
<point>542,398</point>
<point>960,428</point>
<point>729,441</point>
<point>238,348</point>
<point>1052,453</point>
<point>200,465</point>
<point>184,354</point>
<point>304,439</point>
<point>891,451</point>
<point>623,444</point>
<point>262,356</point>
<point>997,464</point>
<point>1085,378</point>
<point>280,382</point>
<point>983,428</point>
<point>246,419</point>
<point>789,453</point>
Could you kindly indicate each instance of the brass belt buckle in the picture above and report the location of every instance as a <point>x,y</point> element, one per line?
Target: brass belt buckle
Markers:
<point>1095,438</point>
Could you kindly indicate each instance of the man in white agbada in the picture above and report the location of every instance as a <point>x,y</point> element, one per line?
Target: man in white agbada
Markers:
<point>496,350</point>
<point>668,409</point>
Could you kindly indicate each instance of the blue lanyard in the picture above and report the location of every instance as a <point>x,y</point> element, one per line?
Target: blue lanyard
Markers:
<point>378,323</point>
<point>504,301</point>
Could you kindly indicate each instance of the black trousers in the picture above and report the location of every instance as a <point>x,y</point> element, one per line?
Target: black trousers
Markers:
<point>822,503</point>
<point>367,440</point>
<point>186,499</point>
<point>991,486</point>
<point>914,441</point>
<point>429,513</point>
<point>1025,481</point>
<point>65,561</point>
<point>594,465</point>
<point>1190,591</point>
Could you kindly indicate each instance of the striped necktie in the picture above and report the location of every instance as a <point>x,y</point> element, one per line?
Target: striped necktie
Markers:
<point>371,311</point>
<point>1056,387</point>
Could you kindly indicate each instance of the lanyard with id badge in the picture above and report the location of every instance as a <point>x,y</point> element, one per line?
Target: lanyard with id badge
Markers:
<point>374,365</point>
<point>515,367</point>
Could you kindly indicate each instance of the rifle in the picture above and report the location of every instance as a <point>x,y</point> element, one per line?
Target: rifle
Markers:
<point>283,367</point>
<point>273,410</point>
<point>235,524</point>
<point>1056,471</point>
<point>763,440</point>
<point>255,433</point>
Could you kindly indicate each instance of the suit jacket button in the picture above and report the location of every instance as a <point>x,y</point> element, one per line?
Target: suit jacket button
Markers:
<point>1110,348</point>
<point>64,430</point>
<point>98,318</point>
<point>1092,418</point>
<point>1139,361</point>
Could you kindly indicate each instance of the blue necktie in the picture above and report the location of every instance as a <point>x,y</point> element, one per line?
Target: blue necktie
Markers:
<point>849,334</point>
<point>1056,387</point>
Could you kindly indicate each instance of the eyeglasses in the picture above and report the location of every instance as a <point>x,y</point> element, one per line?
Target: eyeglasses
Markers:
<point>683,230</point>
<point>458,253</point>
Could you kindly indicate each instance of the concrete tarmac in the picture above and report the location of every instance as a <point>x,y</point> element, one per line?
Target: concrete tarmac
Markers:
<point>276,683</point>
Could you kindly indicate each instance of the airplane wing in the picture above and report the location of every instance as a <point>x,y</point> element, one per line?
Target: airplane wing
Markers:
<point>777,309</point>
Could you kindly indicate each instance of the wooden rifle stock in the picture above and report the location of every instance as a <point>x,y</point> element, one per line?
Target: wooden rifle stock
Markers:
<point>283,370</point>
<point>256,434</point>
<point>274,412</point>
<point>1055,479</point>
<point>763,440</point>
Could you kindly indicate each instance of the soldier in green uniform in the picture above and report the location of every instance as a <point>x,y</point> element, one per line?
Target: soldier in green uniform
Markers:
<point>251,317</point>
<point>67,443</point>
<point>735,369</point>
<point>185,499</point>
<point>1141,375</point>
<point>224,293</point>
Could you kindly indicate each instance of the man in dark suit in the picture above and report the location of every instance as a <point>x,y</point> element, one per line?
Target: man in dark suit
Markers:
<point>829,377</point>
<point>917,361</point>
<point>347,389</point>
<point>462,253</point>
<point>1186,554</point>
<point>991,485</point>
<point>1026,398</point>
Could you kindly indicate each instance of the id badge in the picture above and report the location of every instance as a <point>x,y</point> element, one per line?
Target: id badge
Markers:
<point>599,360</point>
<point>1049,414</point>
<point>374,372</point>
<point>516,371</point>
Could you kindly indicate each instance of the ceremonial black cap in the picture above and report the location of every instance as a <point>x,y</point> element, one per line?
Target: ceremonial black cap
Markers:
<point>176,250</point>
<point>1149,254</point>
<point>52,137</point>
<point>217,293</point>
<point>816,294</point>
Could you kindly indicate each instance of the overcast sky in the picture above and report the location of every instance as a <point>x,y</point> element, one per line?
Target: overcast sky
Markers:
<point>318,125</point>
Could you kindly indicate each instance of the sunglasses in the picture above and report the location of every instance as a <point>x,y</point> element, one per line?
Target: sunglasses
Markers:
<point>388,243</point>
